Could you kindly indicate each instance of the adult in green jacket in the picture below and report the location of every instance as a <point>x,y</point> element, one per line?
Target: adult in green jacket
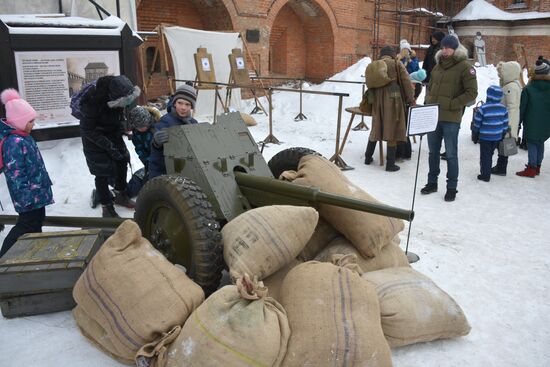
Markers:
<point>453,85</point>
<point>534,110</point>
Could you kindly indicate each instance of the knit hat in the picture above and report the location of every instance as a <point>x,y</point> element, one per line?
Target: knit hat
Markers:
<point>438,35</point>
<point>138,117</point>
<point>18,111</point>
<point>494,93</point>
<point>541,68</point>
<point>449,41</point>
<point>186,92</point>
<point>404,44</point>
<point>418,76</point>
<point>387,51</point>
<point>122,92</point>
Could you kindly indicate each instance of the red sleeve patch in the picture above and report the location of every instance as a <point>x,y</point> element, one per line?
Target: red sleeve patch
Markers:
<point>472,71</point>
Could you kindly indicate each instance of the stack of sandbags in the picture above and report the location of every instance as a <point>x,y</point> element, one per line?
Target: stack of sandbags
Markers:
<point>263,240</point>
<point>390,256</point>
<point>274,282</point>
<point>334,317</point>
<point>368,232</point>
<point>323,234</point>
<point>131,301</point>
<point>238,325</point>
<point>414,309</point>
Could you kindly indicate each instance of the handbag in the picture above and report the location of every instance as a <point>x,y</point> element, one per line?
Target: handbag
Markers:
<point>366,102</point>
<point>507,146</point>
<point>475,136</point>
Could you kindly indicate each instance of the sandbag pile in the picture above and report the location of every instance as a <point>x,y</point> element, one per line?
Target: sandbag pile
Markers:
<point>368,232</point>
<point>131,301</point>
<point>263,240</point>
<point>238,325</point>
<point>334,317</point>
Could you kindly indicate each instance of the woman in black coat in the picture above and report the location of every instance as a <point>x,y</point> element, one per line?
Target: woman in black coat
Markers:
<point>102,129</point>
<point>429,60</point>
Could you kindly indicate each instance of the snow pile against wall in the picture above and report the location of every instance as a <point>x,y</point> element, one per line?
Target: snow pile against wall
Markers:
<point>481,9</point>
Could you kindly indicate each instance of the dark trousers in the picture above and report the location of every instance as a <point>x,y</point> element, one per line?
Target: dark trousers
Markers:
<point>102,183</point>
<point>28,222</point>
<point>486,150</point>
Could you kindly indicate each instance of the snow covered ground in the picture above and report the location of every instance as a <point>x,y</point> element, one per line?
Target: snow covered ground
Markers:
<point>487,249</point>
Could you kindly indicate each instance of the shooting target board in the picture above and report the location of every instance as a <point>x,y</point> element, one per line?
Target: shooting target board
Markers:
<point>239,71</point>
<point>205,68</point>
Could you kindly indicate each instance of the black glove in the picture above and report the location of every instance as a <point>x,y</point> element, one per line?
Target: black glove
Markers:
<point>475,137</point>
<point>160,137</point>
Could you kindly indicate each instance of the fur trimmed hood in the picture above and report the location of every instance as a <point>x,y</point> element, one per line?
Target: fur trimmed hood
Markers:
<point>461,53</point>
<point>509,71</point>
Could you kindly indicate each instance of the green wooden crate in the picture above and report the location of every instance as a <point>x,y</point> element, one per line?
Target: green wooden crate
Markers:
<point>45,266</point>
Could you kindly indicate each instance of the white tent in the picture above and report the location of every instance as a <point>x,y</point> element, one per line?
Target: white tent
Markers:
<point>183,43</point>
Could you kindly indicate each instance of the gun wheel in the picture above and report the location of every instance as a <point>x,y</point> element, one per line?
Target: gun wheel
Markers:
<point>288,159</point>
<point>176,217</point>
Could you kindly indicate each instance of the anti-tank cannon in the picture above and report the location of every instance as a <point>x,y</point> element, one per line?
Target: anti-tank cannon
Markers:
<point>214,173</point>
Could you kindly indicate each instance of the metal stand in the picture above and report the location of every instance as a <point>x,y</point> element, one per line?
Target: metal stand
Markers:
<point>336,158</point>
<point>411,256</point>
<point>270,138</point>
<point>300,116</point>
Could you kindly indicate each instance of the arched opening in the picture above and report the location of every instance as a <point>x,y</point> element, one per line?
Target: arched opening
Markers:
<point>301,42</point>
<point>209,15</point>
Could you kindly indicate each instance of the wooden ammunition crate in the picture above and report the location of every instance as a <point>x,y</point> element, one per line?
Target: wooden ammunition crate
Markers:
<point>38,273</point>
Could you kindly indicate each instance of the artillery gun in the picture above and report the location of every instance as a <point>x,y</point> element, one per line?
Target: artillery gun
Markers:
<point>214,173</point>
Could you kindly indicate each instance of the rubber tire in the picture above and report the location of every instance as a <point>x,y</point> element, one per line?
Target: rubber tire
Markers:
<point>288,159</point>
<point>195,240</point>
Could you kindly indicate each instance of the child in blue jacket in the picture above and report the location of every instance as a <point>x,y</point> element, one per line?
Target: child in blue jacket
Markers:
<point>490,126</point>
<point>28,181</point>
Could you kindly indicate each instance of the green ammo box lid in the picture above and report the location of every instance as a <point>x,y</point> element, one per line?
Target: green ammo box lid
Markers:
<point>48,261</point>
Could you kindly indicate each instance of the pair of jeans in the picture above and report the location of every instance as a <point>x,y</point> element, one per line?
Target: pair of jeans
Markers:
<point>486,150</point>
<point>535,154</point>
<point>28,222</point>
<point>448,132</point>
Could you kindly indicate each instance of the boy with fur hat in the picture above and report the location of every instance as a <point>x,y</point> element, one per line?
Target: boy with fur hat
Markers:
<point>101,129</point>
<point>490,127</point>
<point>179,109</point>
<point>28,181</point>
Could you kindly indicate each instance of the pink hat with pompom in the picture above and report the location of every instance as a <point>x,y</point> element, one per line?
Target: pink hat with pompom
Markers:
<point>18,111</point>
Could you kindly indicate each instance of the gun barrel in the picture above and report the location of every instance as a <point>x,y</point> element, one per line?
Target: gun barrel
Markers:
<point>315,195</point>
<point>79,222</point>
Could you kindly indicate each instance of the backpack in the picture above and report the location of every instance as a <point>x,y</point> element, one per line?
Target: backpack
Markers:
<point>376,74</point>
<point>77,97</point>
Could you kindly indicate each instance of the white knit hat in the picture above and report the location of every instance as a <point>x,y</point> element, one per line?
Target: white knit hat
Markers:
<point>404,44</point>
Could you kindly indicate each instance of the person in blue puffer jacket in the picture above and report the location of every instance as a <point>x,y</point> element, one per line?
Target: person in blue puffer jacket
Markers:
<point>27,179</point>
<point>178,112</point>
<point>490,127</point>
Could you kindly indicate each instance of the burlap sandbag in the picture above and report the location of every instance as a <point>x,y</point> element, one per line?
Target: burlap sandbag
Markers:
<point>274,282</point>
<point>263,240</point>
<point>390,256</point>
<point>414,309</point>
<point>368,232</point>
<point>323,234</point>
<point>137,298</point>
<point>334,317</point>
<point>238,325</point>
<point>248,120</point>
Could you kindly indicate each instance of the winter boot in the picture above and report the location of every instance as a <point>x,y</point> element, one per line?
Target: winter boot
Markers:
<point>371,146</point>
<point>496,171</point>
<point>122,199</point>
<point>537,169</point>
<point>450,195</point>
<point>429,188</point>
<point>108,211</point>
<point>529,171</point>
<point>390,160</point>
<point>484,178</point>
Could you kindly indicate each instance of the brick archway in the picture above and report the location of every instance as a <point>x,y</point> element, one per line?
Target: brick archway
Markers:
<point>301,42</point>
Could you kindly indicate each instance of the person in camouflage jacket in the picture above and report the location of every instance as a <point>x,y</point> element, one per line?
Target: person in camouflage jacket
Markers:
<point>453,85</point>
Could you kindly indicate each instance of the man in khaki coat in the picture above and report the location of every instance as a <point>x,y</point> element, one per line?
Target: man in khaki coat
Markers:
<point>453,85</point>
<point>388,110</point>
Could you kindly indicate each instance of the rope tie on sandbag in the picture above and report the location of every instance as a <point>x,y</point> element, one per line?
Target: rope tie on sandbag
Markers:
<point>251,289</point>
<point>347,261</point>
